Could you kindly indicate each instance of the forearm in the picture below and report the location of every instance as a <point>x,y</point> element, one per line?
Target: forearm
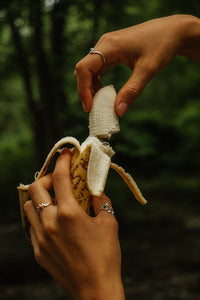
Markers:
<point>189,28</point>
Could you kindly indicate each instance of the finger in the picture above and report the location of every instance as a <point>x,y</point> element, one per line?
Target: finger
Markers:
<point>34,241</point>
<point>99,202</point>
<point>96,83</point>
<point>48,259</point>
<point>85,71</point>
<point>84,83</point>
<point>132,89</point>
<point>40,250</point>
<point>38,192</point>
<point>61,179</point>
<point>33,218</point>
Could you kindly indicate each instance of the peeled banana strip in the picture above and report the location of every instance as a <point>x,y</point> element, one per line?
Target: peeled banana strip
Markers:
<point>98,166</point>
<point>91,160</point>
<point>88,175</point>
<point>128,179</point>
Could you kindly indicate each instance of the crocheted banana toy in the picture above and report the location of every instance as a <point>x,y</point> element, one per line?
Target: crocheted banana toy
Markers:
<point>91,160</point>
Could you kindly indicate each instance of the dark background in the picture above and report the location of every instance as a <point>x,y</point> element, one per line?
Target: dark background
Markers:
<point>159,143</point>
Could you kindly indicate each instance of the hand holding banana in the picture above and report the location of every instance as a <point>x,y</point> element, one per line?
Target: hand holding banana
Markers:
<point>91,160</point>
<point>80,252</point>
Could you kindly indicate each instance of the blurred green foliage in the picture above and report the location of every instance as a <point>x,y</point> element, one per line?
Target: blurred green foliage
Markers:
<point>40,43</point>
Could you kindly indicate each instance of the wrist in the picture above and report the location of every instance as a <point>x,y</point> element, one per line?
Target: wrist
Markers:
<point>105,290</point>
<point>189,33</point>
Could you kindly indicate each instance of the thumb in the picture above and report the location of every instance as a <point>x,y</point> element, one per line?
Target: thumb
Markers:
<point>131,90</point>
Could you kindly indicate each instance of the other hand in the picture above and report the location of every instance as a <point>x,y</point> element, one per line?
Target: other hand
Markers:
<point>81,252</point>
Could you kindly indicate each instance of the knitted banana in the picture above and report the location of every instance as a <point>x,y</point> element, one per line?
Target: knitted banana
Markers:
<point>91,160</point>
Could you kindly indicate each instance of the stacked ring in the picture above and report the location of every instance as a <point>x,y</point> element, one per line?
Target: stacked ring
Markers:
<point>107,208</point>
<point>40,207</point>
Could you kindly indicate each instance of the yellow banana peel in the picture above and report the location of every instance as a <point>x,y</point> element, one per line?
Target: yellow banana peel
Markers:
<point>91,160</point>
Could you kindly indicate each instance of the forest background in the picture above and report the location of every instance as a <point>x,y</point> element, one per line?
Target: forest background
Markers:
<point>159,141</point>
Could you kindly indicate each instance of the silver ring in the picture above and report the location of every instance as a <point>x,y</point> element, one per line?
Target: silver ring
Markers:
<point>40,207</point>
<point>92,51</point>
<point>107,208</point>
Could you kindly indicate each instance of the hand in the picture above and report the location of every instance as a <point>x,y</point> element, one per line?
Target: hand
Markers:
<point>81,252</point>
<point>146,49</point>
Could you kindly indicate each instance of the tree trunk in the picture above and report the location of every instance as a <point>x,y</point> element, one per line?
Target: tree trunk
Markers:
<point>26,76</point>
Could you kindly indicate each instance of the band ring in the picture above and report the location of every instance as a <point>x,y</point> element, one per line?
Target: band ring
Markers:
<point>93,51</point>
<point>107,208</point>
<point>40,207</point>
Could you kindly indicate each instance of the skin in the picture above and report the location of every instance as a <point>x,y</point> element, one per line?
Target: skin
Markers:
<point>81,252</point>
<point>146,49</point>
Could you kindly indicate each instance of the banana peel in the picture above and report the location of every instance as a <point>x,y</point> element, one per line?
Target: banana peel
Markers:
<point>91,160</point>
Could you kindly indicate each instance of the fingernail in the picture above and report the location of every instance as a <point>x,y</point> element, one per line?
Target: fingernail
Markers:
<point>122,108</point>
<point>64,150</point>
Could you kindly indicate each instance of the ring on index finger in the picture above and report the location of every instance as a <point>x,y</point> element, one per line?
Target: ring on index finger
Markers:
<point>93,51</point>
